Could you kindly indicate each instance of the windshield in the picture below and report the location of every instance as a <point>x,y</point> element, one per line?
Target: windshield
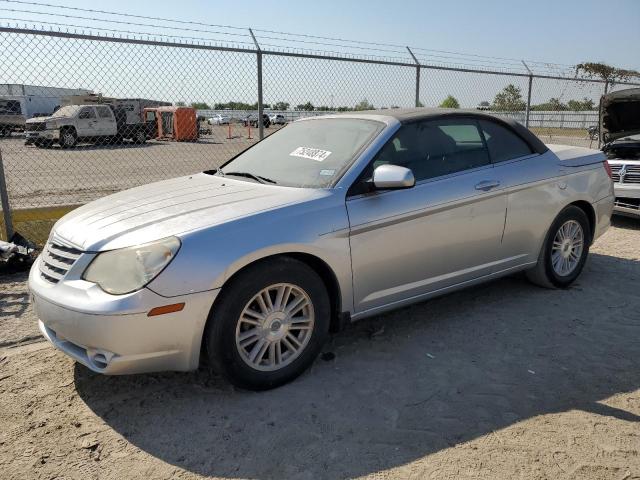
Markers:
<point>311,153</point>
<point>10,107</point>
<point>67,111</point>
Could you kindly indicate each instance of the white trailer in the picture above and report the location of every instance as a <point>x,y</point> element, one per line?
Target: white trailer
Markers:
<point>21,102</point>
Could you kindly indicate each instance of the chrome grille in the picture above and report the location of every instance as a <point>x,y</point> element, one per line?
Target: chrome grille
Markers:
<point>615,173</point>
<point>631,174</point>
<point>34,126</point>
<point>56,261</point>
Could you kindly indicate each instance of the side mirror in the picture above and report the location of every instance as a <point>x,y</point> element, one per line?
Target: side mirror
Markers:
<point>392,177</point>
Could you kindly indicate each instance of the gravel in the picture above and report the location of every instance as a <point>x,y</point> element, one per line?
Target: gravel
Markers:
<point>505,380</point>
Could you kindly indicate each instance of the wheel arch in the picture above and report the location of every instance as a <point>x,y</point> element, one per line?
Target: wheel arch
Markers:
<point>590,212</point>
<point>317,264</point>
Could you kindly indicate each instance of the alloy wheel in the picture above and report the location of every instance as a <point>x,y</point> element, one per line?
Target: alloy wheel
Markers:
<point>567,247</point>
<point>275,327</point>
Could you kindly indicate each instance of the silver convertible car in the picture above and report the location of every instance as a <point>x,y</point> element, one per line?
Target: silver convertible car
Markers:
<point>328,220</point>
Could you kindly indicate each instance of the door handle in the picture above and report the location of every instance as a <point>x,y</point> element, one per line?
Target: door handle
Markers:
<point>486,185</point>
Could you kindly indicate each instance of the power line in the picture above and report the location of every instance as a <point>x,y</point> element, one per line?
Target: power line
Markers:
<point>290,34</point>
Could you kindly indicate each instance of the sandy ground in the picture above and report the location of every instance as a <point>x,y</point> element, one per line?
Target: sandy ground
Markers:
<point>502,381</point>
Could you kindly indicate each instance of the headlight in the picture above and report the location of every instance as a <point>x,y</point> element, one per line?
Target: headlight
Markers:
<point>50,125</point>
<point>129,269</point>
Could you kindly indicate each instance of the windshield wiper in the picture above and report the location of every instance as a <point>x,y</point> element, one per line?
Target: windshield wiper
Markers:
<point>257,178</point>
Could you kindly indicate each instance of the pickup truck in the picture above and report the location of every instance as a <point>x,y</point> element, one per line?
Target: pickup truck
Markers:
<point>72,124</point>
<point>620,132</point>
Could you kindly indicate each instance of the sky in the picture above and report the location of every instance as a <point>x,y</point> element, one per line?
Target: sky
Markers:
<point>560,31</point>
<point>563,32</point>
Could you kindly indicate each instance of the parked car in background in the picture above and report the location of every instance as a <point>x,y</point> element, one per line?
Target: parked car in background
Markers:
<point>331,219</point>
<point>620,130</point>
<point>278,119</point>
<point>219,119</point>
<point>252,120</point>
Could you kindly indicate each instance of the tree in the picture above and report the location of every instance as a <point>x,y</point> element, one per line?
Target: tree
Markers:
<point>553,105</point>
<point>606,72</point>
<point>580,105</point>
<point>200,106</point>
<point>450,102</point>
<point>180,104</point>
<point>306,107</point>
<point>509,100</point>
<point>281,106</point>
<point>324,108</point>
<point>363,105</point>
<point>235,106</point>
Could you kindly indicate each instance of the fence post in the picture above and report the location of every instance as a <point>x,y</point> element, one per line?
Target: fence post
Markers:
<point>418,104</point>
<point>528,109</point>
<point>260,107</point>
<point>606,90</point>
<point>4,201</point>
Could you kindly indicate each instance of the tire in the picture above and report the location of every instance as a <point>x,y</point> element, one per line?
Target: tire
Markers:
<point>227,326</point>
<point>68,138</point>
<point>140,137</point>
<point>549,273</point>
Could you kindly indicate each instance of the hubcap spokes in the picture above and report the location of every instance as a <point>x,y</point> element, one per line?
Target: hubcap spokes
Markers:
<point>275,327</point>
<point>567,248</point>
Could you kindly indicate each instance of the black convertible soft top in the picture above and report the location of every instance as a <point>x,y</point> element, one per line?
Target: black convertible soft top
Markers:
<point>409,115</point>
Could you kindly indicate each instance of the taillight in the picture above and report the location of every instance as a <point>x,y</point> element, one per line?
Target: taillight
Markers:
<point>607,167</point>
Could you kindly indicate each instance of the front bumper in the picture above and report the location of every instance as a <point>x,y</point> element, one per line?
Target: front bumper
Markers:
<point>52,135</point>
<point>113,334</point>
<point>627,199</point>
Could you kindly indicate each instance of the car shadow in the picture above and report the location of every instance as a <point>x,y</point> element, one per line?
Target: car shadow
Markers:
<point>399,386</point>
<point>628,223</point>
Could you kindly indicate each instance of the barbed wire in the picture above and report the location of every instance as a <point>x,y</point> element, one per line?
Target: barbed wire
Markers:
<point>459,58</point>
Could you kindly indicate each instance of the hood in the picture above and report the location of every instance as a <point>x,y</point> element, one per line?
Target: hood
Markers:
<point>620,114</point>
<point>40,119</point>
<point>171,207</point>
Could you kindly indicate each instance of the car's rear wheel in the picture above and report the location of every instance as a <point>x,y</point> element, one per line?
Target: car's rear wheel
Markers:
<point>269,324</point>
<point>564,251</point>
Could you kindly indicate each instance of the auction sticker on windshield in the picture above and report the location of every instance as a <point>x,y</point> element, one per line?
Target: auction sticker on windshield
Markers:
<point>310,153</point>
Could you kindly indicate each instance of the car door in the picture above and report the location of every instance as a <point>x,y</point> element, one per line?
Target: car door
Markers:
<point>444,231</point>
<point>106,124</point>
<point>530,183</point>
<point>86,125</point>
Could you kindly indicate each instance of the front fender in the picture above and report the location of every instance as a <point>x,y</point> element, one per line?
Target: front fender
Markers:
<point>208,258</point>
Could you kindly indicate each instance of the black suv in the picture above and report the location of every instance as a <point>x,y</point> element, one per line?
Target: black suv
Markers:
<point>252,120</point>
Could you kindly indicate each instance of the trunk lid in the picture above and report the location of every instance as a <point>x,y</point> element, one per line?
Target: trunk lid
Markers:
<point>576,156</point>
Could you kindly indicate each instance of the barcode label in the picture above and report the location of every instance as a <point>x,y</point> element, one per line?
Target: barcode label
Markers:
<point>310,153</point>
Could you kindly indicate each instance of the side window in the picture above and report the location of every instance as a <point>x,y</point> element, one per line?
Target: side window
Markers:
<point>104,112</point>
<point>435,148</point>
<point>87,112</point>
<point>502,143</point>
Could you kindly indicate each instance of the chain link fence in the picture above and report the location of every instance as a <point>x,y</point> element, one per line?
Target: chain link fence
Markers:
<point>124,112</point>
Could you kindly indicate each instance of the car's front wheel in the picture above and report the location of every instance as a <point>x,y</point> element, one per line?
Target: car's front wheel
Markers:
<point>564,251</point>
<point>269,324</point>
<point>68,138</point>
